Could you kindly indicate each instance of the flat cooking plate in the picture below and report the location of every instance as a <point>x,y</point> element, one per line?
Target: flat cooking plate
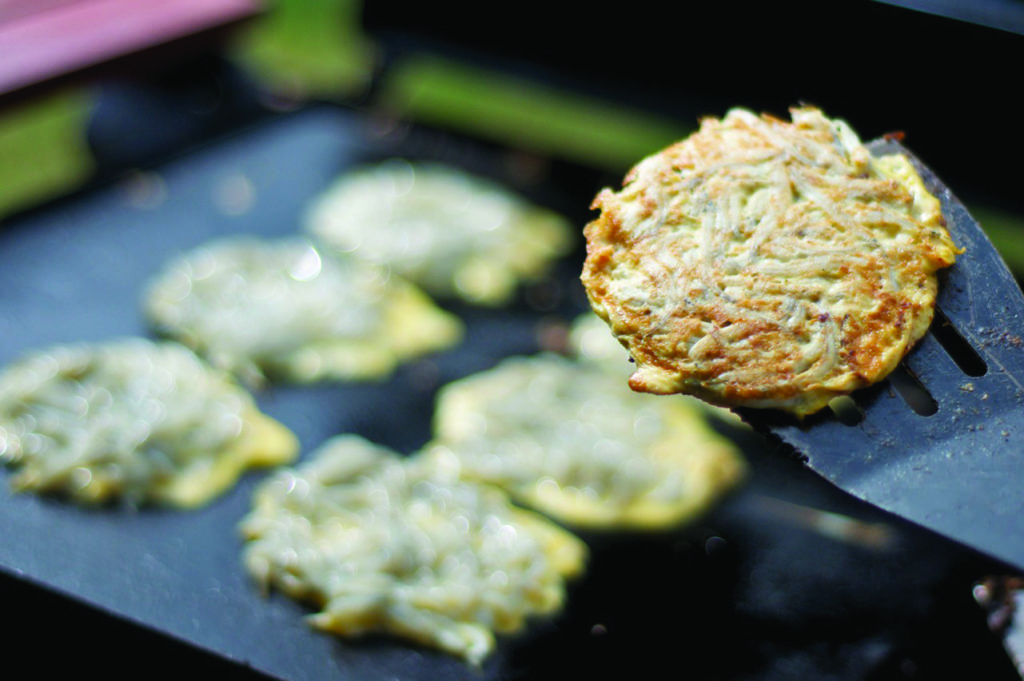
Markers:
<point>752,591</point>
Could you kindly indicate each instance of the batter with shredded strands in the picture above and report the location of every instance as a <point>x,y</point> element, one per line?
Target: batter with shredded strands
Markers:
<point>131,419</point>
<point>569,439</point>
<point>388,544</point>
<point>282,309</point>
<point>766,263</point>
<point>455,234</point>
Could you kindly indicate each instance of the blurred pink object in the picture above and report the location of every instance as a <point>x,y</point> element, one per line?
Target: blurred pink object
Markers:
<point>43,41</point>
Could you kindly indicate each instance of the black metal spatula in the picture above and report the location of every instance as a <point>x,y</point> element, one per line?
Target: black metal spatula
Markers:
<point>941,441</point>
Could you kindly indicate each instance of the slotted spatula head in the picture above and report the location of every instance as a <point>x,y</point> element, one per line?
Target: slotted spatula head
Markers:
<point>941,441</point>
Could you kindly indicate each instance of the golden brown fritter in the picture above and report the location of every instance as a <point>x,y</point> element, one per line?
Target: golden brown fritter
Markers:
<point>767,263</point>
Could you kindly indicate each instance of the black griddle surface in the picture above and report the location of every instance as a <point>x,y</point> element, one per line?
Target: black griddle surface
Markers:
<point>742,594</point>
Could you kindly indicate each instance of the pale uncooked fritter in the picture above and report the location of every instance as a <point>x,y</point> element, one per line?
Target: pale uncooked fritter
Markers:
<point>572,440</point>
<point>452,233</point>
<point>131,419</point>
<point>590,342</point>
<point>389,544</point>
<point>766,263</point>
<point>287,310</point>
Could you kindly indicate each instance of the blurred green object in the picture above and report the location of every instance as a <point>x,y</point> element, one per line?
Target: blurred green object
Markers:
<point>42,148</point>
<point>1005,230</point>
<point>308,49</point>
<point>526,115</point>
